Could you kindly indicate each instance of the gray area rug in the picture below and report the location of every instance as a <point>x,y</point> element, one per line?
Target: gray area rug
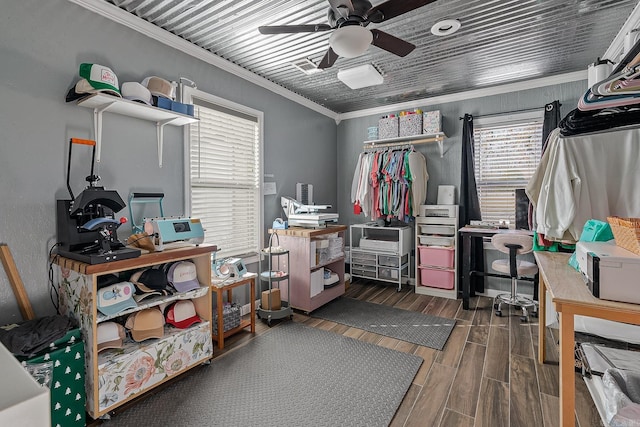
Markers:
<point>405,325</point>
<point>292,375</point>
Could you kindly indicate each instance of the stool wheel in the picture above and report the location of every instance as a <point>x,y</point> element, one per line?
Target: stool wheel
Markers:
<point>524,319</point>
<point>499,313</point>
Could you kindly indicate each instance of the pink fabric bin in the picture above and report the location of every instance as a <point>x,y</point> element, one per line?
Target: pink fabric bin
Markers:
<point>436,256</point>
<point>436,278</point>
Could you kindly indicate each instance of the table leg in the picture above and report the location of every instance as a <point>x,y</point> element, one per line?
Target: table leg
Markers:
<point>542,320</point>
<point>253,306</point>
<point>466,270</point>
<point>567,370</point>
<point>219,306</point>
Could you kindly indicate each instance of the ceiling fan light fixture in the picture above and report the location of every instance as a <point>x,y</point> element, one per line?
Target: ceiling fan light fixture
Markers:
<point>350,41</point>
<point>445,27</point>
<point>360,76</point>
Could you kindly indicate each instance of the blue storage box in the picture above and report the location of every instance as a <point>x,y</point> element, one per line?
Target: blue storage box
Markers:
<point>179,107</point>
<point>162,102</point>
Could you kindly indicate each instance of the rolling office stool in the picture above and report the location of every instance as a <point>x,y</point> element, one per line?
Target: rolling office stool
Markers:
<point>514,245</point>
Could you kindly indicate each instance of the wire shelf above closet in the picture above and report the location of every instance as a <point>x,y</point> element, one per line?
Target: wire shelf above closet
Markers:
<point>407,140</point>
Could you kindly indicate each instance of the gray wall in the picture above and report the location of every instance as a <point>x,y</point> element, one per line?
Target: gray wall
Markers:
<point>352,133</point>
<point>41,46</point>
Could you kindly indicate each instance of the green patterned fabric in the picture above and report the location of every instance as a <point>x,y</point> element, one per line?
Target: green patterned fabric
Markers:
<point>67,382</point>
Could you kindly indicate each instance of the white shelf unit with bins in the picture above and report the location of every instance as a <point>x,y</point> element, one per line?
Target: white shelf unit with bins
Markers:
<point>116,376</point>
<point>437,251</point>
<point>380,253</point>
<point>414,139</point>
<point>100,103</point>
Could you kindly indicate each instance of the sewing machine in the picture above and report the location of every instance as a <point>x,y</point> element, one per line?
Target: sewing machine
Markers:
<point>306,215</point>
<point>174,232</point>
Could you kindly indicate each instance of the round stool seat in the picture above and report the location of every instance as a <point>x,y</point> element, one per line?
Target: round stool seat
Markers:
<point>525,268</point>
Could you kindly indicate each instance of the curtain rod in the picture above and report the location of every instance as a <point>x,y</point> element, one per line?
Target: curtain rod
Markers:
<point>526,110</point>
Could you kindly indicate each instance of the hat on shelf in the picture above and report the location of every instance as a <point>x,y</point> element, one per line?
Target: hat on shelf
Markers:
<point>115,298</point>
<point>148,282</point>
<point>160,87</point>
<point>182,314</point>
<point>145,324</point>
<point>183,276</point>
<point>135,91</point>
<point>110,335</point>
<point>107,279</point>
<point>95,78</point>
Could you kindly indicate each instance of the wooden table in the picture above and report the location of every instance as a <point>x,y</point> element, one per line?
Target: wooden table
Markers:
<point>571,297</point>
<point>472,236</point>
<point>228,286</point>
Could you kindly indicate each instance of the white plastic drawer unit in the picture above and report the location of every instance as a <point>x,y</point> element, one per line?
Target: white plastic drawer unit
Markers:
<point>437,220</point>
<point>388,273</point>
<point>443,211</point>
<point>364,258</point>
<point>445,230</point>
<point>360,271</point>
<point>437,240</point>
<point>392,261</point>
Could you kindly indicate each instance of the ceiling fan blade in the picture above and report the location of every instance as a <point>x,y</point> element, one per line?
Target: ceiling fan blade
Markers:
<point>286,29</point>
<point>328,60</point>
<point>392,8</point>
<point>391,43</point>
<point>336,4</point>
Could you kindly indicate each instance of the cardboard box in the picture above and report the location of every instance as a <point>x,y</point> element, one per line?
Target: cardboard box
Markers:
<point>275,300</point>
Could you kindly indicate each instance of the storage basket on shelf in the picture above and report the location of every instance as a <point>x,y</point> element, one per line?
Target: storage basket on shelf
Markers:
<point>626,232</point>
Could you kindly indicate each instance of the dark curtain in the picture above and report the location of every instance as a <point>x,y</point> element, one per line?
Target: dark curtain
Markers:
<point>551,121</point>
<point>469,203</point>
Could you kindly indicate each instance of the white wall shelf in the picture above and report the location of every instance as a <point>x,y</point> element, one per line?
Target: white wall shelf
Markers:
<point>415,139</point>
<point>101,103</point>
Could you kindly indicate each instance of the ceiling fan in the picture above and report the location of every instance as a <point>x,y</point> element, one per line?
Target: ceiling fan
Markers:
<point>349,18</point>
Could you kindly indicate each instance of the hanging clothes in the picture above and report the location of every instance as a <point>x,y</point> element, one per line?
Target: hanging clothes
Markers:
<point>585,177</point>
<point>389,183</point>
<point>419,177</point>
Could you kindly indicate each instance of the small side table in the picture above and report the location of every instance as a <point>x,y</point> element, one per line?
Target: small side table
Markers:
<point>227,286</point>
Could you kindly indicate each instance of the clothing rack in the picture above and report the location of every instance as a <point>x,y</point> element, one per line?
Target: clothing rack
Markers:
<point>407,141</point>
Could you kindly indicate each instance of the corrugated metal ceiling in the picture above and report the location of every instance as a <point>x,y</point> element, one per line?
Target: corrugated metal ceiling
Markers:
<point>501,41</point>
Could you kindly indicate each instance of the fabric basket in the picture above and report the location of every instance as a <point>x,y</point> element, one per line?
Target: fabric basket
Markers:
<point>626,231</point>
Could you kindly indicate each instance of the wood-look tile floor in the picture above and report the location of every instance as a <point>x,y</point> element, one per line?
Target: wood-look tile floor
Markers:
<point>487,375</point>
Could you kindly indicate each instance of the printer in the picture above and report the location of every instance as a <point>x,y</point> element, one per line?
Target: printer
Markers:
<point>611,272</point>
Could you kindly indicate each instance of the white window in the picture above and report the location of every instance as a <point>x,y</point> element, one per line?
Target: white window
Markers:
<point>507,150</point>
<point>224,158</point>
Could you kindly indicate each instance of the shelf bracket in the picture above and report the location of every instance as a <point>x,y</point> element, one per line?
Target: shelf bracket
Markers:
<point>97,126</point>
<point>440,142</point>
<point>160,133</point>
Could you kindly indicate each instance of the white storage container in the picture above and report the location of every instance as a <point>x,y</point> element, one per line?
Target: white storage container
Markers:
<point>437,240</point>
<point>446,230</point>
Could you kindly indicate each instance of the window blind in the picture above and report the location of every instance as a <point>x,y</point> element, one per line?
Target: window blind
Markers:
<point>506,156</point>
<point>225,177</point>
